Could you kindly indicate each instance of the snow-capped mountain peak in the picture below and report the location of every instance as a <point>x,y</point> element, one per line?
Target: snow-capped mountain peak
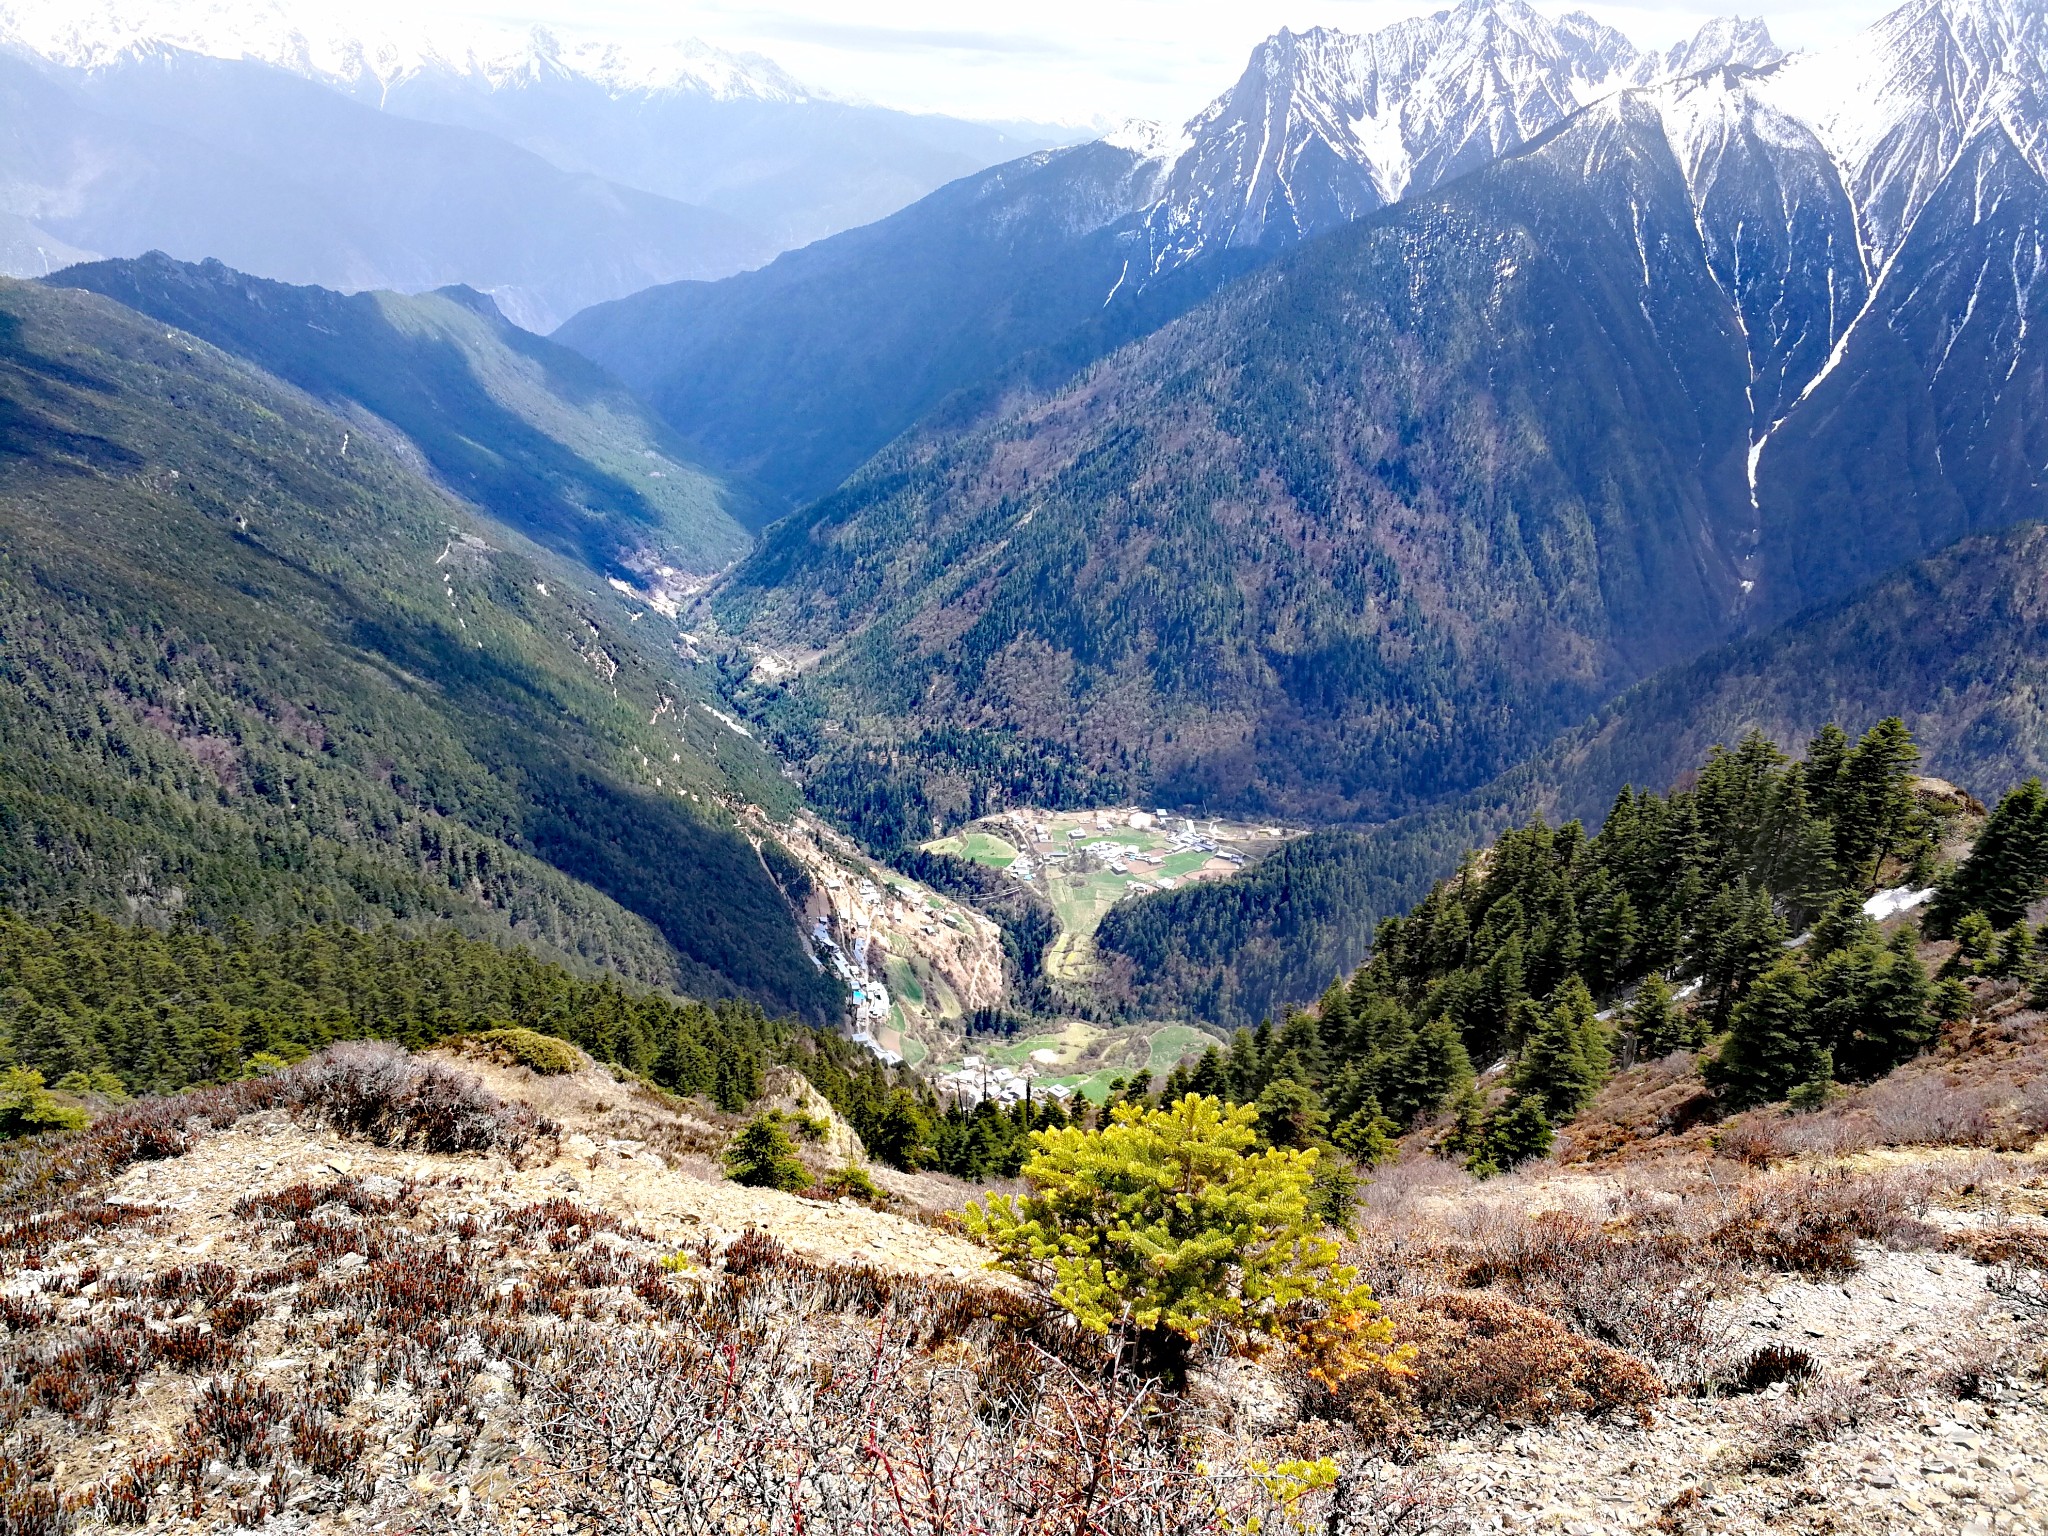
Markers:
<point>1148,140</point>
<point>1900,101</point>
<point>1324,125</point>
<point>371,57</point>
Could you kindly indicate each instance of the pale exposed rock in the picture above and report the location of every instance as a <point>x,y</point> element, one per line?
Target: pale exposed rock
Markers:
<point>789,1092</point>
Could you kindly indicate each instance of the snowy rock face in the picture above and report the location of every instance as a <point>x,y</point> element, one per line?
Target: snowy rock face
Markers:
<point>1776,223</point>
<point>1899,104</point>
<point>1325,126</point>
<point>1822,162</point>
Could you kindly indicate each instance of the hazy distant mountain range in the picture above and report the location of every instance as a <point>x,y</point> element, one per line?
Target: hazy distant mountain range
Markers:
<point>552,172</point>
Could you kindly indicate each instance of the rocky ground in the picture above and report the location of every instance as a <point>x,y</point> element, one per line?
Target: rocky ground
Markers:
<point>1925,1410</point>
<point>1935,1384</point>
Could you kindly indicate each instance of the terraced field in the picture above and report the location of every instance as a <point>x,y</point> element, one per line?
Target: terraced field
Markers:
<point>1085,862</point>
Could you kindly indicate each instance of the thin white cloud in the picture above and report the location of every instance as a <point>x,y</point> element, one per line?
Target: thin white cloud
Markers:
<point>1074,61</point>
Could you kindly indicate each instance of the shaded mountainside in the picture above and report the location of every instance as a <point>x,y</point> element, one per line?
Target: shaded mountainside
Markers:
<point>531,432</point>
<point>1368,527</point>
<point>248,674</point>
<point>1956,645</point>
<point>1933,422</point>
<point>1336,542</point>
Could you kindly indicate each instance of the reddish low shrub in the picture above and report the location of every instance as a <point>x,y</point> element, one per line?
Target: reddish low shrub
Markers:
<point>378,1092</point>
<point>235,1418</point>
<point>1810,1224</point>
<point>1475,1356</point>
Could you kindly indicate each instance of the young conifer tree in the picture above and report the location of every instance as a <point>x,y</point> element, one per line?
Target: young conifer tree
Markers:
<point>1565,1058</point>
<point>1771,1047</point>
<point>1659,1024</point>
<point>2007,868</point>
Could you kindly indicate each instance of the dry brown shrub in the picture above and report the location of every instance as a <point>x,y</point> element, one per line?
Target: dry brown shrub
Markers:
<point>29,1505</point>
<point>1810,1224</point>
<point>376,1091</point>
<point>1646,1291</point>
<point>1651,1099</point>
<point>1767,1366</point>
<point>1818,1410</point>
<point>855,1431</point>
<point>1474,1357</point>
<point>2026,1247</point>
<point>362,1088</point>
<point>1755,1140</point>
<point>2022,1285</point>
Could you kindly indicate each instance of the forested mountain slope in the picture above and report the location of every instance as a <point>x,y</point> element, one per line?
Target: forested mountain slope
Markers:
<point>792,375</point>
<point>533,433</point>
<point>1371,525</point>
<point>256,667</point>
<point>1336,542</point>
<point>1956,646</point>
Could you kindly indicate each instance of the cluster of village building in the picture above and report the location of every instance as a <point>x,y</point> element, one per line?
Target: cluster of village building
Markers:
<point>1114,856</point>
<point>979,1079</point>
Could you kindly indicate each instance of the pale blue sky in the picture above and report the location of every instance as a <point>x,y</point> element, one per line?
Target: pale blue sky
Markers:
<point>1073,61</point>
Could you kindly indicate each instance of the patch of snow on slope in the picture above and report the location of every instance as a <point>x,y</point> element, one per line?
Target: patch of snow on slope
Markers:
<point>1899,899</point>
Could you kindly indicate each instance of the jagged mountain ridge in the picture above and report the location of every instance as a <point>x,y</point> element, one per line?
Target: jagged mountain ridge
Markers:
<point>371,57</point>
<point>1898,104</point>
<point>1325,126</point>
<point>792,375</point>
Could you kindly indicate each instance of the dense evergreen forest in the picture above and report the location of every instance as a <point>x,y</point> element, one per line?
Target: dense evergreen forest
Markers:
<point>126,1008</point>
<point>1514,956</point>
<point>97,1006</point>
<point>252,666</point>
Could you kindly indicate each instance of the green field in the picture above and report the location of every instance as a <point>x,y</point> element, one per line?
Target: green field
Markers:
<point>1184,863</point>
<point>1171,1044</point>
<point>1130,837</point>
<point>1074,1037</point>
<point>1094,1087</point>
<point>981,847</point>
<point>903,982</point>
